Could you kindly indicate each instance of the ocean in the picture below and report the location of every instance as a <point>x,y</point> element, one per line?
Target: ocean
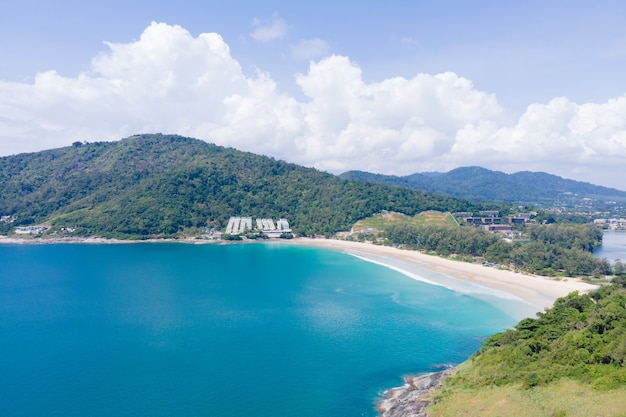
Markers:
<point>263,329</point>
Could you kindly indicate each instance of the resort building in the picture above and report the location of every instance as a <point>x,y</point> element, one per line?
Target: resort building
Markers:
<point>240,225</point>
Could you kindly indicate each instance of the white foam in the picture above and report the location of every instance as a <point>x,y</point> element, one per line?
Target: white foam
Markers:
<point>400,270</point>
<point>455,284</point>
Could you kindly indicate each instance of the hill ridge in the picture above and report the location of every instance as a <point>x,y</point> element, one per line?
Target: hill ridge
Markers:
<point>155,185</point>
<point>481,184</point>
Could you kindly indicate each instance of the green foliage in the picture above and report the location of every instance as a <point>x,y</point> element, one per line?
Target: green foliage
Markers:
<point>442,240</point>
<point>531,380</point>
<point>568,236</point>
<point>554,250</point>
<point>165,186</point>
<point>582,337</point>
<point>538,257</point>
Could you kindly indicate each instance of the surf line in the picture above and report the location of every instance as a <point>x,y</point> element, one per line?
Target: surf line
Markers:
<point>400,270</point>
<point>463,287</point>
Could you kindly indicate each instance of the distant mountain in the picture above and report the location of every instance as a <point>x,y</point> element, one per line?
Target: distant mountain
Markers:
<point>480,184</point>
<point>163,185</point>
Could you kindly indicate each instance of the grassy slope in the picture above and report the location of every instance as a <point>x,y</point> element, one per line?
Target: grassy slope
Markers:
<point>381,220</point>
<point>566,398</point>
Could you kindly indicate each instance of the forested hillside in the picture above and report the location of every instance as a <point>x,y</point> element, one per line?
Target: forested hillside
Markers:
<point>481,184</point>
<point>569,361</point>
<point>162,185</point>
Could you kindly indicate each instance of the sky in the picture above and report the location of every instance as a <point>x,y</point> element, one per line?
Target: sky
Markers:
<point>392,87</point>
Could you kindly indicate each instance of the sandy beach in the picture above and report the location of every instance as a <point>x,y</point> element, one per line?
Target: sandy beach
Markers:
<point>538,292</point>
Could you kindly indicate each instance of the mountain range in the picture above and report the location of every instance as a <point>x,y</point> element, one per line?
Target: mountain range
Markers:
<point>480,184</point>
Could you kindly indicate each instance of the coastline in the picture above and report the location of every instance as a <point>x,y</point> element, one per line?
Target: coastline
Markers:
<point>510,288</point>
<point>99,241</point>
<point>537,292</point>
<point>412,399</point>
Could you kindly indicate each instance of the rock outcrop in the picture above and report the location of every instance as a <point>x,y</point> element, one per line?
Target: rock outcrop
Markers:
<point>412,399</point>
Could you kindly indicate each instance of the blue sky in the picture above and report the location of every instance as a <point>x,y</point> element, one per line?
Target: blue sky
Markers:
<point>391,87</point>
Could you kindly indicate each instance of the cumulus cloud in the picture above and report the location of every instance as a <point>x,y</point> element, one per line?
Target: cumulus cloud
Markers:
<point>172,82</point>
<point>270,30</point>
<point>308,49</point>
<point>586,141</point>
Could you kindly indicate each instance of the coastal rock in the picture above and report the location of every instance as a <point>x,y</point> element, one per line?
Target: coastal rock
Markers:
<point>412,399</point>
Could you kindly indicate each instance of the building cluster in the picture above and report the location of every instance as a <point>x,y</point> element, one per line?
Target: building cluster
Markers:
<point>8,219</point>
<point>30,230</point>
<point>489,217</point>
<point>240,225</point>
<point>491,221</point>
<point>611,224</point>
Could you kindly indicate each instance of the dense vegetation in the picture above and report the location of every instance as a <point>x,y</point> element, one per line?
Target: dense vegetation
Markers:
<point>552,249</point>
<point>480,184</point>
<point>583,336</point>
<point>580,341</point>
<point>162,186</point>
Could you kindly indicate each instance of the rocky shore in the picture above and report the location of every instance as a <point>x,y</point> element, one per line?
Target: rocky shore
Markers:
<point>412,399</point>
<point>96,240</point>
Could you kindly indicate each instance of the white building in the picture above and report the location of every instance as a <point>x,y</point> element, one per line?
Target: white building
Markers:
<point>30,230</point>
<point>239,225</point>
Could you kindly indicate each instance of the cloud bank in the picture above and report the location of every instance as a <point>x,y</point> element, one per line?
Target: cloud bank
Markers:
<point>169,81</point>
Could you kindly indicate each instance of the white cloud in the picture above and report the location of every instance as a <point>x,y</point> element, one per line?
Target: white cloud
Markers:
<point>391,126</point>
<point>308,49</point>
<point>270,30</point>
<point>169,81</point>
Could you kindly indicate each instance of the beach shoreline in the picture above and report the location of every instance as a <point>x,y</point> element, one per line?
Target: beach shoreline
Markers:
<point>536,291</point>
<point>102,240</point>
<point>512,288</point>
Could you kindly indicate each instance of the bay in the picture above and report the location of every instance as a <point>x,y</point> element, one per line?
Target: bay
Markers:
<point>219,330</point>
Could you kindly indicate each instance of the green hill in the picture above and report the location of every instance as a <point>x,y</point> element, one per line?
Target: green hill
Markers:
<point>148,186</point>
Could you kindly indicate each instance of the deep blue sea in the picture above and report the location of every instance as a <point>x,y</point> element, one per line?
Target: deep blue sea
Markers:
<point>218,330</point>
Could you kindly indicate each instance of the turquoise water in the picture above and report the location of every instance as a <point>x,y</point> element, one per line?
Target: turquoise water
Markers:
<point>218,330</point>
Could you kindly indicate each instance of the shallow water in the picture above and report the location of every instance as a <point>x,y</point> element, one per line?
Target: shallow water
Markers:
<point>219,330</point>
